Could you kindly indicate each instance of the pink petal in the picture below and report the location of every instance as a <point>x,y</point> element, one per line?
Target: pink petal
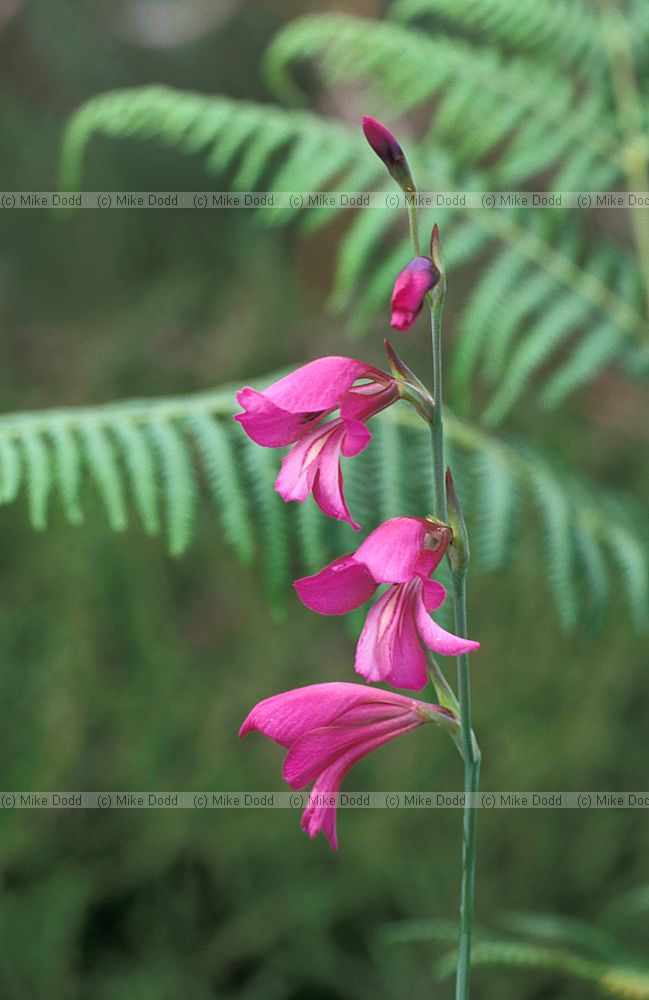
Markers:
<point>356,439</point>
<point>328,483</point>
<point>300,465</point>
<point>317,385</point>
<point>316,750</point>
<point>437,638</point>
<point>287,716</point>
<point>267,424</point>
<point>429,559</point>
<point>284,717</point>
<point>338,588</point>
<point>389,648</point>
<point>403,319</point>
<point>392,551</point>
<point>410,288</point>
<point>364,401</point>
<point>433,594</point>
<point>313,466</point>
<point>319,815</point>
<point>289,408</point>
<point>322,816</point>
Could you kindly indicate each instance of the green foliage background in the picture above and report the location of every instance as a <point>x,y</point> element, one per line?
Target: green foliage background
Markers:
<point>128,668</point>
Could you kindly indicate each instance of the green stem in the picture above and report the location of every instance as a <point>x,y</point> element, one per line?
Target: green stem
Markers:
<point>469,746</point>
<point>471,754</point>
<point>437,423</point>
<point>413,224</point>
<point>445,696</point>
<point>467,742</point>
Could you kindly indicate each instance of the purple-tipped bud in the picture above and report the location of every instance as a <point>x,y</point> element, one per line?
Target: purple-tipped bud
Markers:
<point>388,149</point>
<point>410,288</point>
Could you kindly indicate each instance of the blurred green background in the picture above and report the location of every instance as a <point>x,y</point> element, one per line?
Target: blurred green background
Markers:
<point>126,669</point>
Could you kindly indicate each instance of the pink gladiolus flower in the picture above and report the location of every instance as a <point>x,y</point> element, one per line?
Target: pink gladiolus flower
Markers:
<point>402,552</point>
<point>294,411</point>
<point>326,729</point>
<point>388,149</point>
<point>410,288</point>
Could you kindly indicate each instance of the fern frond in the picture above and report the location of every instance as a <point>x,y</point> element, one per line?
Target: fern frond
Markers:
<point>39,478</point>
<point>563,29</point>
<point>616,978</point>
<point>272,517</point>
<point>179,485</point>
<point>157,447</point>
<point>67,463</point>
<point>627,906</point>
<point>297,150</point>
<point>404,67</point>
<point>101,458</point>
<point>557,302</point>
<point>377,290</point>
<point>139,460</point>
<point>555,512</point>
<point>222,467</point>
<point>311,529</point>
<point>568,506</point>
<point>557,323</point>
<point>633,566</point>
<point>358,250</point>
<point>567,930</point>
<point>593,568</point>
<point>568,946</point>
<point>482,319</point>
<point>498,501</point>
<point>516,954</point>
<point>389,456</point>
<point>225,130</point>
<point>419,932</point>
<point>589,358</point>
<point>11,470</point>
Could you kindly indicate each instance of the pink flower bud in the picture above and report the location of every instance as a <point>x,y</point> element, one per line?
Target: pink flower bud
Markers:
<point>410,288</point>
<point>388,149</point>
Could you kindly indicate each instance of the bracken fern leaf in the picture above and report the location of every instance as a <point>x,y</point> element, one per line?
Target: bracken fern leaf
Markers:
<point>179,483</point>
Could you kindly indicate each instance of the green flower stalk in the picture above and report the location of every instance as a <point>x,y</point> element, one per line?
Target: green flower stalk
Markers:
<point>327,727</point>
<point>423,279</point>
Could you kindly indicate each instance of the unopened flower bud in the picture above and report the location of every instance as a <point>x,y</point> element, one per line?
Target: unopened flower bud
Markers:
<point>388,149</point>
<point>410,289</point>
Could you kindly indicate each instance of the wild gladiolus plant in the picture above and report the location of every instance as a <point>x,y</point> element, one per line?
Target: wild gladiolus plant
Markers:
<point>320,411</point>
